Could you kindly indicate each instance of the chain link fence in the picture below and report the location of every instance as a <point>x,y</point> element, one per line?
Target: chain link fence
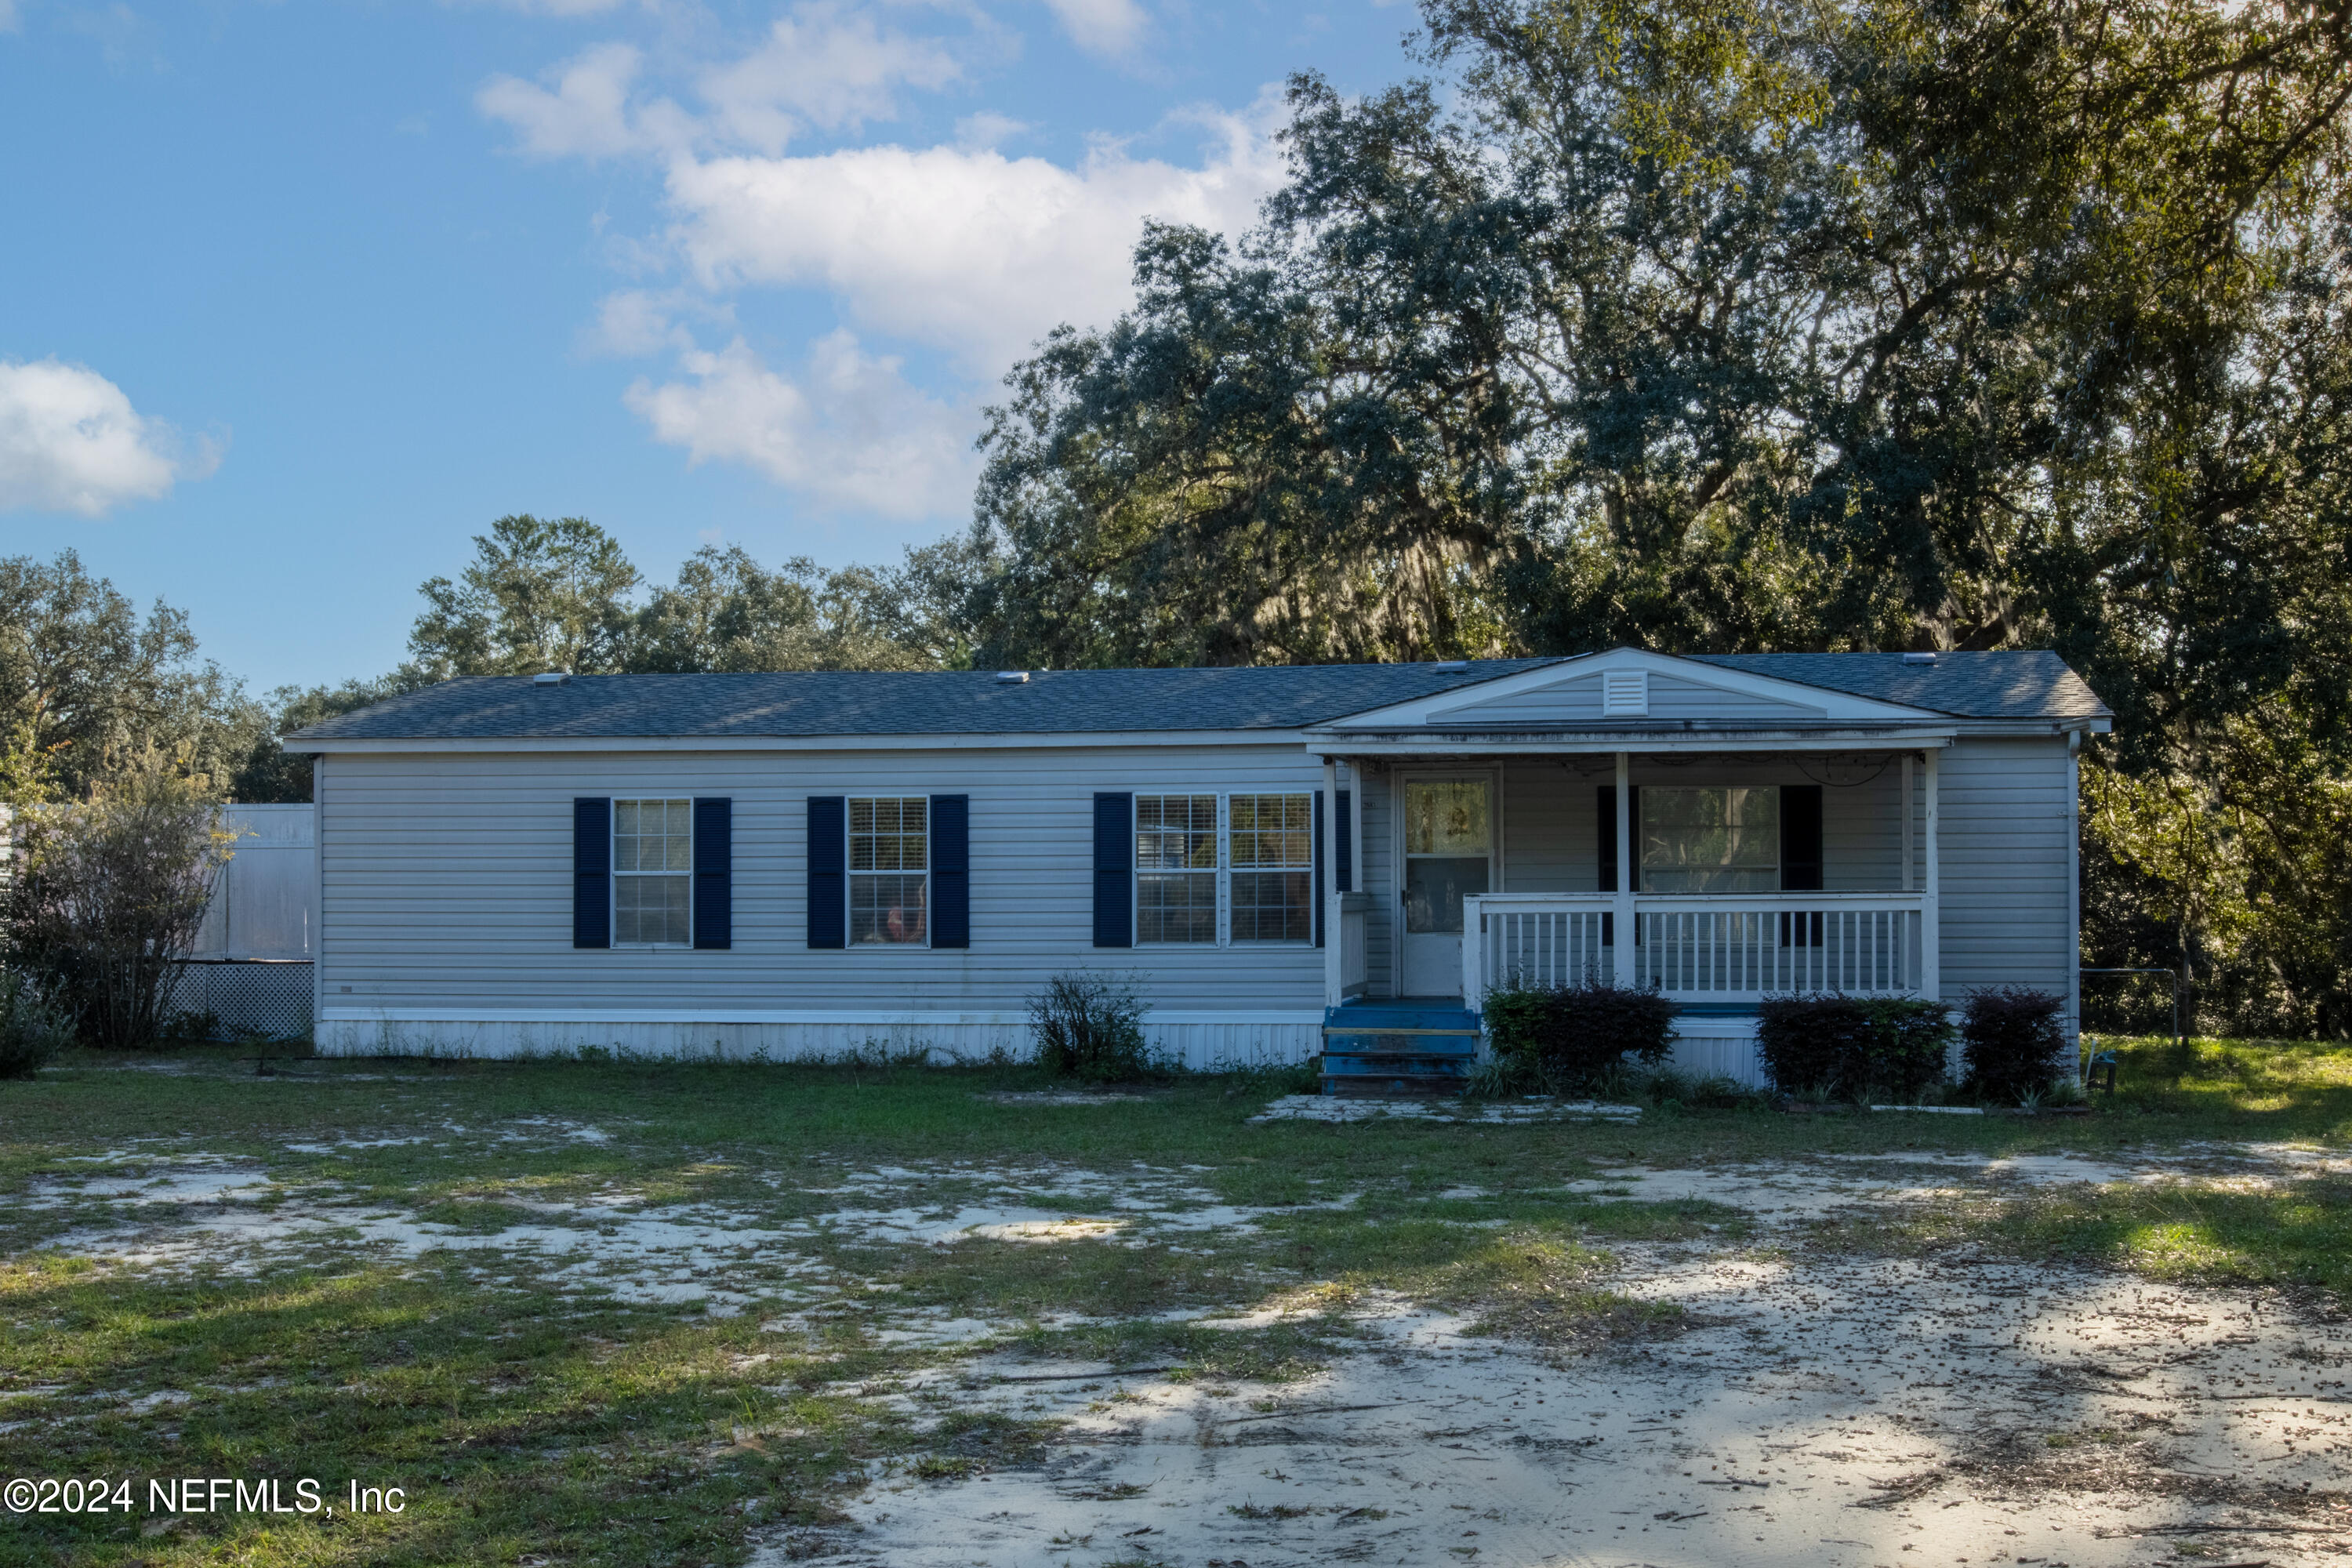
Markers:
<point>243,998</point>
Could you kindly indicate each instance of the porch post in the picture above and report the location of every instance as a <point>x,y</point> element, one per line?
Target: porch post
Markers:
<point>1931,908</point>
<point>1334,949</point>
<point>1910,847</point>
<point>1620,958</point>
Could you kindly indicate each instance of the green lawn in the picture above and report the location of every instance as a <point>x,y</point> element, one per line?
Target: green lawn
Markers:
<point>537,1411</point>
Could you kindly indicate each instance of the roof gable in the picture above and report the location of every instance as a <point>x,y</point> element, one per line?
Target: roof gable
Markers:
<point>1674,690</point>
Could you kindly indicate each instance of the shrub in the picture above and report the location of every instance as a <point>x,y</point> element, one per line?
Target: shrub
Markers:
<point>30,1034</point>
<point>1857,1047</point>
<point>1090,1028</point>
<point>1569,1039</point>
<point>2013,1041</point>
<point>106,901</point>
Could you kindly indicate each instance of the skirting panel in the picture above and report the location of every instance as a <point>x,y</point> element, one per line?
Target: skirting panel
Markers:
<point>1201,1045</point>
<point>1717,1048</point>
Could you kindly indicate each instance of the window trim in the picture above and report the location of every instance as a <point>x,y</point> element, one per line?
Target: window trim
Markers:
<point>1225,940</point>
<point>613,850</point>
<point>850,874</point>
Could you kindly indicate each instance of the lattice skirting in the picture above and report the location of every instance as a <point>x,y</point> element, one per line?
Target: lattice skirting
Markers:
<point>247,996</point>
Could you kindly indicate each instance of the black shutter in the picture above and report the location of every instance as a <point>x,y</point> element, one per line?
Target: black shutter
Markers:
<point>1800,838</point>
<point>828,904</point>
<point>714,872</point>
<point>1347,841</point>
<point>951,871</point>
<point>1317,857</point>
<point>592,871</point>
<point>1114,871</point>
<point>1608,794</point>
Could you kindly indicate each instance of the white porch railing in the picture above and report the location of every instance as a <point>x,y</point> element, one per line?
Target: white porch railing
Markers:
<point>1348,952</point>
<point>1734,948</point>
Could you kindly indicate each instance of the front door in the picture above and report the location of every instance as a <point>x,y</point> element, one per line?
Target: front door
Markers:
<point>1449,852</point>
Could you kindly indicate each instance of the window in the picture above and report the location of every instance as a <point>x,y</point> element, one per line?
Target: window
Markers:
<point>1273,858</point>
<point>1252,863</point>
<point>1710,840</point>
<point>653,873</point>
<point>1175,868</point>
<point>890,870</point>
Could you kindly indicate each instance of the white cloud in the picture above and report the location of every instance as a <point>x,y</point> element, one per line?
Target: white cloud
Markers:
<point>960,248</point>
<point>1102,26</point>
<point>70,441</point>
<point>588,113</point>
<point>850,431</point>
<point>832,70</point>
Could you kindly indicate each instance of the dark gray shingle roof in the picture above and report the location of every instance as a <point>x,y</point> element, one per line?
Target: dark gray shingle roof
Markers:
<point>972,703</point>
<point>2020,683</point>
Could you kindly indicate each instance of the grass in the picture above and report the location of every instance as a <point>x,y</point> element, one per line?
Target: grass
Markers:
<point>535,1408</point>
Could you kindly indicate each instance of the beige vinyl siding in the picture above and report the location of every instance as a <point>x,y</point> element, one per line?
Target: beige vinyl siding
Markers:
<point>449,883</point>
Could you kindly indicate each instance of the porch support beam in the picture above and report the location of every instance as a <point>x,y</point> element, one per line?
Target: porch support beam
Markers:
<point>1910,830</point>
<point>1620,958</point>
<point>1931,909</point>
<point>1334,976</point>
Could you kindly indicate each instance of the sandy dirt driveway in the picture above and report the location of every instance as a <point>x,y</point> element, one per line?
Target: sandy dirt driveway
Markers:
<point>1820,1409</point>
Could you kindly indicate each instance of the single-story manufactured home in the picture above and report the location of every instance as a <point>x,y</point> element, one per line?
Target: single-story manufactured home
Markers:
<point>805,863</point>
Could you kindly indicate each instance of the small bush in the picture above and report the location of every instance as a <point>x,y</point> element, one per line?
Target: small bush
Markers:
<point>1853,1047</point>
<point>1091,1028</point>
<point>31,1035</point>
<point>1568,1038</point>
<point>2013,1041</point>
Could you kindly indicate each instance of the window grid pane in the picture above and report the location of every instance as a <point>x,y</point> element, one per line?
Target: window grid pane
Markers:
<point>1176,906</point>
<point>889,852</point>
<point>653,858</point>
<point>1273,906</point>
<point>1176,832</point>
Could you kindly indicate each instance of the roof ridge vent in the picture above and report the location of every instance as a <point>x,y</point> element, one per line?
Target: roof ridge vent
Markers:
<point>1011,678</point>
<point>1918,659</point>
<point>1451,666</point>
<point>551,677</point>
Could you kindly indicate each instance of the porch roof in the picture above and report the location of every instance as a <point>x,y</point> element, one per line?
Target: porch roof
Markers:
<point>1631,700</point>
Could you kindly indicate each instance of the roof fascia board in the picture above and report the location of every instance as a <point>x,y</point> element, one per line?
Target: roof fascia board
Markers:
<point>1048,740</point>
<point>1394,744</point>
<point>875,1018</point>
<point>1774,689</point>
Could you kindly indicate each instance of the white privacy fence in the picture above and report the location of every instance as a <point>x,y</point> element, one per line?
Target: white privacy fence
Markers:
<point>264,903</point>
<point>1714,949</point>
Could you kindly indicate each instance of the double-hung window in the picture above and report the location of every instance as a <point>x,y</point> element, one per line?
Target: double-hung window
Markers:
<point>1214,870</point>
<point>1720,839</point>
<point>1175,868</point>
<point>653,873</point>
<point>890,870</point>
<point>1271,841</point>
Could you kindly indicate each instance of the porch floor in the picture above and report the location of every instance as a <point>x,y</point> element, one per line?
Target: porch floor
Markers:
<point>1406,1046</point>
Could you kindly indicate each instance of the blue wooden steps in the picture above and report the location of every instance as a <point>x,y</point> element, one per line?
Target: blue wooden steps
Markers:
<point>1405,1047</point>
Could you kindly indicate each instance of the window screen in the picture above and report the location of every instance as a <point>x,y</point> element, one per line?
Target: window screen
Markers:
<point>1175,868</point>
<point>653,864</point>
<point>890,870</point>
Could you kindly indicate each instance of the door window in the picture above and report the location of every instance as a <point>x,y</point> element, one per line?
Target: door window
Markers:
<point>1449,834</point>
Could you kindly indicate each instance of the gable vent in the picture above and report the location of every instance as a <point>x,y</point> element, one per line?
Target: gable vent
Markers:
<point>1624,693</point>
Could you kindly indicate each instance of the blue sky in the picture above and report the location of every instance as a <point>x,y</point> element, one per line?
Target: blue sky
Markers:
<point>296,297</point>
